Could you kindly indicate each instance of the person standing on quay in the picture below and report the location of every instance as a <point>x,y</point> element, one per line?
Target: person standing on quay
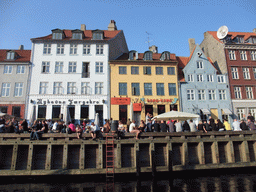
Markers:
<point>227,125</point>
<point>251,125</point>
<point>236,125</point>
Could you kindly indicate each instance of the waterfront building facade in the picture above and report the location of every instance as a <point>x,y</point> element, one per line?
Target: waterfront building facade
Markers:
<point>203,90</point>
<point>236,55</point>
<point>143,83</point>
<point>70,73</point>
<point>14,69</point>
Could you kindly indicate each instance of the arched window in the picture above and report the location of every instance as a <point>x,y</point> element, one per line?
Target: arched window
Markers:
<point>133,55</point>
<point>165,56</point>
<point>148,55</point>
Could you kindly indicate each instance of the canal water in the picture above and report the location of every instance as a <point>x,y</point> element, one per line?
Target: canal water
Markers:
<point>208,181</point>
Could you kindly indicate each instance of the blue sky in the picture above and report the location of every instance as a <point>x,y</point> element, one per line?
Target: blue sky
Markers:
<point>169,22</point>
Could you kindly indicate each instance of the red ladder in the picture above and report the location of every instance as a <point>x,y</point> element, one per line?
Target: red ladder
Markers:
<point>110,165</point>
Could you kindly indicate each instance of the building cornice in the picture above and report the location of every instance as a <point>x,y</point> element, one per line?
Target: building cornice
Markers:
<point>240,46</point>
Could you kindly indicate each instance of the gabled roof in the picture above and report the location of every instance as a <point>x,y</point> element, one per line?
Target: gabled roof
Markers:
<point>87,33</point>
<point>23,56</point>
<point>233,35</point>
<point>156,57</point>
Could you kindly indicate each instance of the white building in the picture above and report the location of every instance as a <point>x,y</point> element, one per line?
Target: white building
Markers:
<point>70,73</point>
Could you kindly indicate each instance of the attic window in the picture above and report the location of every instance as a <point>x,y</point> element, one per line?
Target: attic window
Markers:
<point>148,56</point>
<point>254,40</point>
<point>240,39</point>
<point>165,56</point>
<point>10,55</point>
<point>57,35</point>
<point>97,35</point>
<point>133,55</point>
<point>77,34</point>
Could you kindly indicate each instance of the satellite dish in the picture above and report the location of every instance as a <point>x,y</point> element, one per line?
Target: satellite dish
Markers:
<point>222,32</point>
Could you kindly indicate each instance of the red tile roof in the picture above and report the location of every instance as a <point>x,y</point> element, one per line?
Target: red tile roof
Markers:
<point>87,33</point>
<point>233,35</point>
<point>156,57</point>
<point>23,55</point>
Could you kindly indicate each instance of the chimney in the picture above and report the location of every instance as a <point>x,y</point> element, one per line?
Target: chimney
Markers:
<point>112,26</point>
<point>21,47</point>
<point>254,30</point>
<point>154,49</point>
<point>83,27</point>
<point>192,44</point>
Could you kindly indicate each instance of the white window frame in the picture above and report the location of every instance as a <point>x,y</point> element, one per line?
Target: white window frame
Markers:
<point>43,88</point>
<point>253,55</point>
<point>212,94</point>
<point>59,67</point>
<point>10,55</point>
<point>60,49</point>
<point>99,49</point>
<point>237,92</point>
<point>221,78</point>
<point>190,94</point>
<point>18,90</point>
<point>243,55</point>
<point>252,111</point>
<point>98,67</point>
<point>85,88</point>
<point>45,67</point>
<point>72,67</point>
<point>8,69</point>
<point>20,69</point>
<point>86,49</point>
<point>246,73</point>
<point>190,78</point>
<point>210,78</point>
<point>201,94</point>
<point>234,72</point>
<point>57,88</point>
<point>200,78</point>
<point>71,88</point>
<point>6,88</point>
<point>254,72</point>
<point>232,54</point>
<point>73,49</point>
<point>199,65</point>
<point>98,88</point>
<point>47,49</point>
<point>240,113</point>
<point>249,92</point>
<point>222,94</point>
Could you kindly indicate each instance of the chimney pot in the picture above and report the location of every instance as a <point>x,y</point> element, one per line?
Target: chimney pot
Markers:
<point>112,26</point>
<point>254,30</point>
<point>154,49</point>
<point>21,47</point>
<point>83,27</point>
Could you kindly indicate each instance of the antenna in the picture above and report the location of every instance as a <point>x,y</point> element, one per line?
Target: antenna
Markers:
<point>148,41</point>
<point>222,32</point>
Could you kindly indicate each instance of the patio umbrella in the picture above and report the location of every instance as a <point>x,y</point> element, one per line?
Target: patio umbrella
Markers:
<point>2,114</point>
<point>97,120</point>
<point>181,116</point>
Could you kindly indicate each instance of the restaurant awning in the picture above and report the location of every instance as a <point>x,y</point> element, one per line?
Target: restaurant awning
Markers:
<point>206,111</point>
<point>226,112</point>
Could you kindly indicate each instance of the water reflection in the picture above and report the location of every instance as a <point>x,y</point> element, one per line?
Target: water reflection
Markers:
<point>223,183</point>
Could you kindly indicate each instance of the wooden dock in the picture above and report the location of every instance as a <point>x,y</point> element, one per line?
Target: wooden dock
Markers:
<point>64,154</point>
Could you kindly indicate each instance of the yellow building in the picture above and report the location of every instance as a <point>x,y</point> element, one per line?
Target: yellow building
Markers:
<point>141,83</point>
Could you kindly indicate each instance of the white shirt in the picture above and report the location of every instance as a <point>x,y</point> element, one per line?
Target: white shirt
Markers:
<point>132,125</point>
<point>236,126</point>
<point>95,128</point>
<point>178,127</point>
<point>54,127</point>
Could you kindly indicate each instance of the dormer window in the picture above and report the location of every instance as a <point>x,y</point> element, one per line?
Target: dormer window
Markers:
<point>148,55</point>
<point>77,34</point>
<point>10,55</point>
<point>165,56</point>
<point>133,55</point>
<point>240,39</point>
<point>254,40</point>
<point>97,35</point>
<point>57,34</point>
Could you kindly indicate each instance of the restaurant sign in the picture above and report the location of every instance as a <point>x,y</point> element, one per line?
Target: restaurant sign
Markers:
<point>120,101</point>
<point>68,102</point>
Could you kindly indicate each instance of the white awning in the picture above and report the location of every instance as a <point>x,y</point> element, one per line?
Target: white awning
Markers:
<point>226,111</point>
<point>206,111</point>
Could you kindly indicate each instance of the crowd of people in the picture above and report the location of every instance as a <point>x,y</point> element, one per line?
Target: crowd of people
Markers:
<point>39,127</point>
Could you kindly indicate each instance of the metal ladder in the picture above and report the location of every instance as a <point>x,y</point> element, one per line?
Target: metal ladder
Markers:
<point>110,165</point>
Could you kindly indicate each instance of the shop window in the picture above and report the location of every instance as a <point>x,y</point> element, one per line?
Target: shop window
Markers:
<point>3,109</point>
<point>16,111</point>
<point>41,111</point>
<point>203,116</point>
<point>99,110</point>
<point>123,113</point>
<point>56,111</point>
<point>149,109</point>
<point>173,107</point>
<point>160,109</point>
<point>84,111</point>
